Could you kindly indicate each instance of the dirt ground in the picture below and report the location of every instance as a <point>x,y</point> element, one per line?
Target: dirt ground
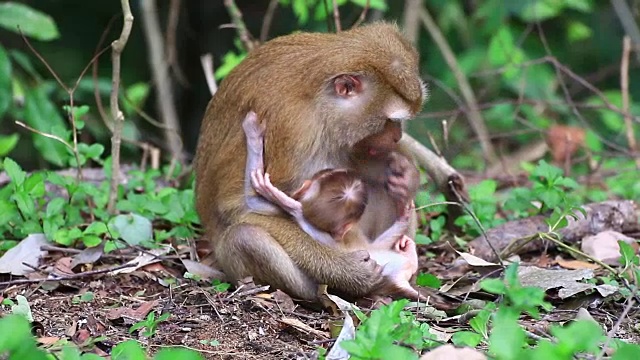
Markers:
<point>249,322</point>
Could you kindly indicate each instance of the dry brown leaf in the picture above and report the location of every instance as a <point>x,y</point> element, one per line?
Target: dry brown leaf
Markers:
<point>604,246</point>
<point>575,264</point>
<point>450,352</point>
<point>299,325</point>
<point>564,141</point>
<point>137,314</point>
<point>48,340</point>
<point>27,251</point>
<point>88,255</point>
<point>283,300</point>
<point>63,267</point>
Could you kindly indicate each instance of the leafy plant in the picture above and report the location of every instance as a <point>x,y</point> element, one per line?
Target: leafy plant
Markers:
<point>379,335</point>
<point>150,324</point>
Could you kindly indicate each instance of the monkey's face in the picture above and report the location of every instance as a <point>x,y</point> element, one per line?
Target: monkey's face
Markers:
<point>362,106</point>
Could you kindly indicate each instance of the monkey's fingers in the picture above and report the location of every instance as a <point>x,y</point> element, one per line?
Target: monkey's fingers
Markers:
<point>260,186</point>
<point>280,198</point>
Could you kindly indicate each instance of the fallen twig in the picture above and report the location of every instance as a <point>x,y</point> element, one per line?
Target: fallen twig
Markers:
<point>64,277</point>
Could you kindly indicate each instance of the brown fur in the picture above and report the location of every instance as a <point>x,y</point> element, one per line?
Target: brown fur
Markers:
<point>286,82</point>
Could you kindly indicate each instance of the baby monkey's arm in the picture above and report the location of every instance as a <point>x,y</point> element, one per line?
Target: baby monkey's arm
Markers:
<point>263,186</point>
<point>270,200</point>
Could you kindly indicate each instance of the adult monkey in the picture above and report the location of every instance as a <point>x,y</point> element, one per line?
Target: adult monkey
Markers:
<point>317,95</point>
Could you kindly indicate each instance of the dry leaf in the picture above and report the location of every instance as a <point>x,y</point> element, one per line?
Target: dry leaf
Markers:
<point>143,259</point>
<point>27,251</point>
<point>205,272</point>
<point>564,141</point>
<point>63,267</point>
<point>299,325</point>
<point>450,352</point>
<point>566,280</point>
<point>88,255</point>
<point>138,314</point>
<point>575,264</point>
<point>474,260</point>
<point>48,340</point>
<point>604,246</point>
<point>283,300</point>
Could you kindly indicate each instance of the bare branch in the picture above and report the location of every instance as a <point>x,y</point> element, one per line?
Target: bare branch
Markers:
<point>411,22</point>
<point>268,19</point>
<point>159,71</point>
<point>172,28</point>
<point>624,88</point>
<point>336,16</point>
<point>475,118</point>
<point>118,118</point>
<point>207,67</point>
<point>625,14</point>
<point>363,14</point>
<point>236,19</point>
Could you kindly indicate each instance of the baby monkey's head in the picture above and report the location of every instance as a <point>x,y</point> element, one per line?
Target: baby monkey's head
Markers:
<point>333,200</point>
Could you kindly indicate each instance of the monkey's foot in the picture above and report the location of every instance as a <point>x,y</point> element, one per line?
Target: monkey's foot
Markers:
<point>254,130</point>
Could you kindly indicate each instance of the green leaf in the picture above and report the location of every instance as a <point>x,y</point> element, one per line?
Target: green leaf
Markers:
<point>5,83</point>
<point>8,212</point>
<point>15,172</point>
<point>7,143</point>
<point>627,252</point>
<point>41,114</point>
<point>132,228</point>
<point>507,338</point>
<point>17,339</point>
<point>70,352</point>
<point>627,352</point>
<point>466,338</point>
<point>580,5</point>
<point>428,280</point>
<point>501,47</point>
<point>373,4</point>
<point>177,353</point>
<point>96,228</point>
<point>91,240</point>
<point>577,31</point>
<point>135,96</point>
<point>55,206</point>
<point>229,61</point>
<point>32,23</point>
<point>422,239</point>
<point>128,350</point>
<point>538,10</point>
<point>494,286</point>
<point>25,204</point>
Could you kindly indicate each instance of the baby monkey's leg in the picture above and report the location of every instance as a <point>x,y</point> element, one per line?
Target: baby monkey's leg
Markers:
<point>390,237</point>
<point>254,132</point>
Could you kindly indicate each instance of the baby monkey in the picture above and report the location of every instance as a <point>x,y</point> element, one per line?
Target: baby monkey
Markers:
<point>327,207</point>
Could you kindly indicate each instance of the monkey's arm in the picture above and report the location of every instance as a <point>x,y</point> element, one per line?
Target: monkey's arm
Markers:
<point>264,187</point>
<point>254,132</point>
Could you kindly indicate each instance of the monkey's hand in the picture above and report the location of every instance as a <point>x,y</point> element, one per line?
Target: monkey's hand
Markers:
<point>402,178</point>
<point>361,270</point>
<point>263,186</point>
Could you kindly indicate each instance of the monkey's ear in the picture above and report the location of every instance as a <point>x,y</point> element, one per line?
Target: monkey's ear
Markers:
<point>347,85</point>
<point>303,189</point>
<point>343,230</point>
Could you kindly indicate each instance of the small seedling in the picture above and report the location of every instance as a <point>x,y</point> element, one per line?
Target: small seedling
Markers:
<point>150,324</point>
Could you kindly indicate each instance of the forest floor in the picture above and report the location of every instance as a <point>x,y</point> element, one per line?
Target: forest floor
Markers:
<point>249,322</point>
